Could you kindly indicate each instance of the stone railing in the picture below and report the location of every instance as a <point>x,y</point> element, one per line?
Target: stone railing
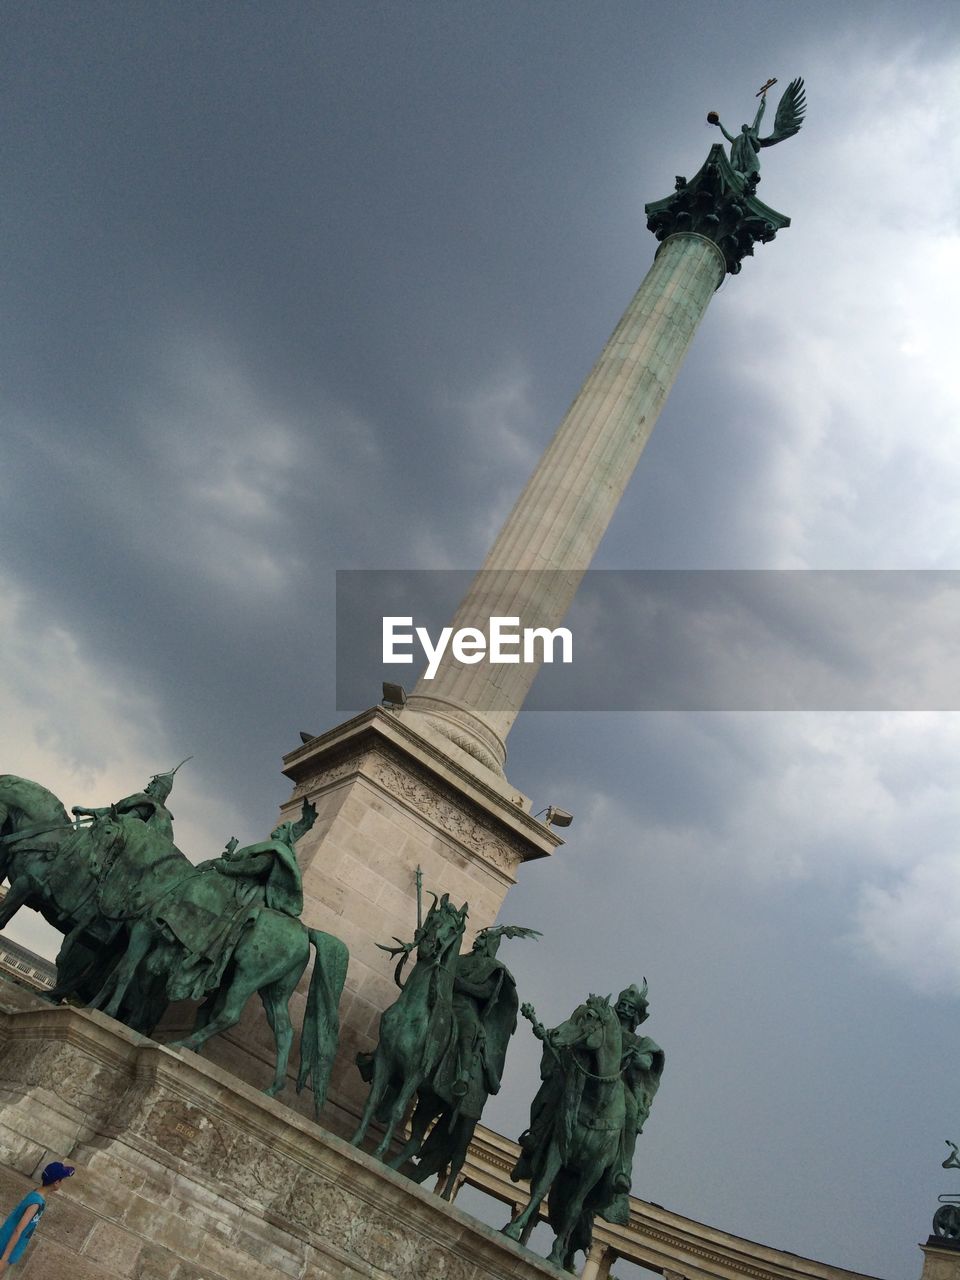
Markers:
<point>78,1085</point>
<point>24,965</point>
<point>677,1247</point>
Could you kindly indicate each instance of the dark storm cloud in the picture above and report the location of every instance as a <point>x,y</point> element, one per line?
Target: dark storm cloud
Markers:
<point>360,233</point>
<point>267,270</point>
<point>668,640</point>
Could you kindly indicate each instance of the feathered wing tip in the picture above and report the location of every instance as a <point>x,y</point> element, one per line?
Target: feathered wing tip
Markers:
<point>511,931</point>
<point>790,113</point>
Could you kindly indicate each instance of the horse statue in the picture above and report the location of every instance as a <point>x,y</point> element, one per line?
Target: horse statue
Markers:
<point>416,1031</point>
<point>152,927</point>
<point>453,1097</point>
<point>44,857</point>
<point>576,1125</point>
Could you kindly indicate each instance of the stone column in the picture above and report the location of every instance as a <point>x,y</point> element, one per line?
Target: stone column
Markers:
<point>424,786</point>
<point>599,1261</point>
<point>536,563</point>
<point>549,540</point>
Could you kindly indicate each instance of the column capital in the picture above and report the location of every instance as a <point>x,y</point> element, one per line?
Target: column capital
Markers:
<point>721,205</point>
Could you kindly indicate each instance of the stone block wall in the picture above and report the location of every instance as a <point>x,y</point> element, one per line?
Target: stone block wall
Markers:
<point>185,1173</point>
<point>388,801</point>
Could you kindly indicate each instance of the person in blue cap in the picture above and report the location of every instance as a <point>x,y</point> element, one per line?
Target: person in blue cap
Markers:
<point>20,1225</point>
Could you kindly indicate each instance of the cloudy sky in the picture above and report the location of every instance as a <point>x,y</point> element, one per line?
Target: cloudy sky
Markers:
<point>291,288</point>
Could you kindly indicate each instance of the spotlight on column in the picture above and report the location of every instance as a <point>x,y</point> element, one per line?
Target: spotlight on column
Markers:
<point>556,817</point>
<point>394,696</point>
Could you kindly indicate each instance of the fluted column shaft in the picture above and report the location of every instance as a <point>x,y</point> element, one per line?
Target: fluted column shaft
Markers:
<point>598,1263</point>
<point>566,506</point>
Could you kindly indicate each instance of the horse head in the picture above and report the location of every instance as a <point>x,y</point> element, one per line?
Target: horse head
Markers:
<point>107,836</point>
<point>593,1026</point>
<point>441,931</point>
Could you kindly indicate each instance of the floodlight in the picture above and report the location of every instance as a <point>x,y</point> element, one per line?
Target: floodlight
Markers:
<point>394,695</point>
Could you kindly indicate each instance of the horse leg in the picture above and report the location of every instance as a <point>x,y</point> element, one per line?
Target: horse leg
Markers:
<point>229,1007</point>
<point>572,1212</point>
<point>397,1112</point>
<point>465,1130</point>
<point>378,1086</point>
<point>138,944</point>
<point>19,892</point>
<point>276,1003</point>
<point>517,1225</point>
<point>64,983</point>
<point>423,1114</point>
<point>207,1009</point>
<point>527,1231</point>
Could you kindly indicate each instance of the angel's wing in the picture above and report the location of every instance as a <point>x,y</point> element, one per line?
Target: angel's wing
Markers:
<point>789,115</point>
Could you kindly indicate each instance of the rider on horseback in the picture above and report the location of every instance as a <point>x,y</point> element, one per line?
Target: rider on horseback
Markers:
<point>641,1064</point>
<point>270,867</point>
<point>149,805</point>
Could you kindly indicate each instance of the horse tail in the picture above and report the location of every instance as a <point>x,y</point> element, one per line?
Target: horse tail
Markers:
<point>321,1022</point>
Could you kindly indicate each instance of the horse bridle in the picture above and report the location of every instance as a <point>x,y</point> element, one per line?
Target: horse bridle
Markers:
<point>589,1074</point>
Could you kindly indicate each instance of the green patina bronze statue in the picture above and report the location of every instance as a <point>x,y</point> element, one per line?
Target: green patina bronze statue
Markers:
<point>149,805</point>
<point>144,926</point>
<point>416,1031</point>
<point>598,1082</point>
<point>746,145</point>
<point>720,201</point>
<point>641,1066</point>
<point>484,1013</point>
<point>946,1220</point>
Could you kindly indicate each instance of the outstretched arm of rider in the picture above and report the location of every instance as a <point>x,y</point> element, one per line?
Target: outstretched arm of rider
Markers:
<point>539,1030</point>
<point>244,867</point>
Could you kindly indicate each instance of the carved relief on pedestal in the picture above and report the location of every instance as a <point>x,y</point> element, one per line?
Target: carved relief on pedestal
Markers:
<point>427,799</point>
<point>320,779</point>
<point>417,789</point>
<point>466,743</point>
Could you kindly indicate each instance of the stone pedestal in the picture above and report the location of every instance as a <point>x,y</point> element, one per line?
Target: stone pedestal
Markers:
<point>184,1173</point>
<point>389,799</point>
<point>941,1260</point>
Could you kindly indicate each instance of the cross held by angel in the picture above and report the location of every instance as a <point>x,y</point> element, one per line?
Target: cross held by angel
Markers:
<point>745,146</point>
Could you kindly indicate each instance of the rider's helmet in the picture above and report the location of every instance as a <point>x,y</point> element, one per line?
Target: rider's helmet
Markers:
<point>633,1002</point>
<point>161,784</point>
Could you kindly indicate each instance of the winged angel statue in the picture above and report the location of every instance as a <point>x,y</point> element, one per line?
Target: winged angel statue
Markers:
<point>745,147</point>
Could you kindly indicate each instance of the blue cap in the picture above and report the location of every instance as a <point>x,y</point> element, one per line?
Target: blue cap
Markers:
<point>56,1171</point>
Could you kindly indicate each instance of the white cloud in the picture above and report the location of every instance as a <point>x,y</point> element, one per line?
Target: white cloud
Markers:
<point>912,928</point>
<point>862,810</point>
<point>861,467</point>
<point>228,464</point>
<point>495,421</point>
